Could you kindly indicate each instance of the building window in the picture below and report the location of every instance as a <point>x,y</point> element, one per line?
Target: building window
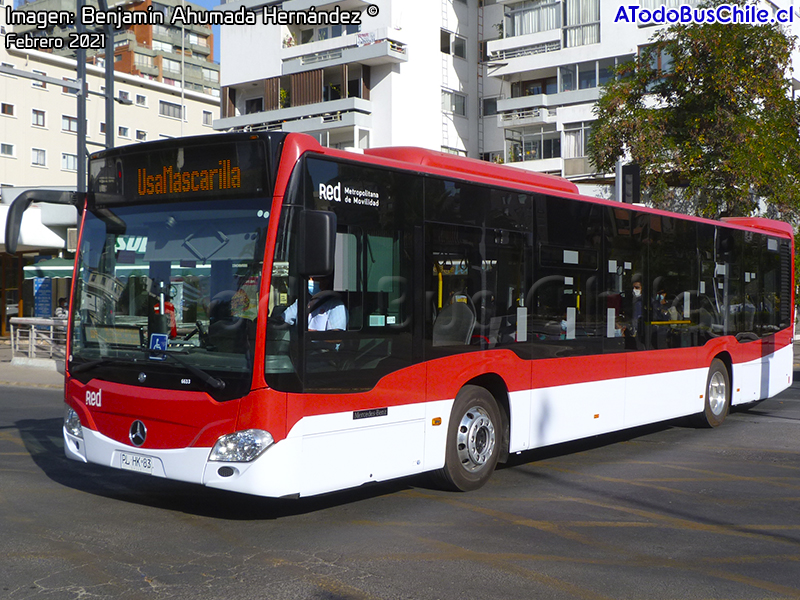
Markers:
<point>173,66</point>
<point>141,135</point>
<point>445,42</point>
<point>459,46</point>
<point>532,17</point>
<point>453,44</point>
<point>576,136</point>
<point>210,75</point>
<point>605,70</point>
<point>582,24</point>
<point>143,61</point>
<point>69,124</point>
<point>489,107</point>
<point>39,84</point>
<point>68,90</point>
<point>38,157</point>
<point>253,105</point>
<point>661,61</point>
<point>533,87</point>
<point>207,117</point>
<point>533,143</point>
<point>123,132</point>
<point>7,109</point>
<point>69,162</point>
<point>102,127</point>
<point>168,109</point>
<point>161,46</point>
<point>7,150</point>
<point>141,100</point>
<point>587,75</point>
<point>493,157</point>
<point>454,102</point>
<point>124,96</point>
<point>37,118</point>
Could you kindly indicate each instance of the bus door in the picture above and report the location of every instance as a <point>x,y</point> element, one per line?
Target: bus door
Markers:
<point>627,290</point>
<point>340,339</point>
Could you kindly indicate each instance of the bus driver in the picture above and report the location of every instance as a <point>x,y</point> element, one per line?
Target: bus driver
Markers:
<point>326,311</point>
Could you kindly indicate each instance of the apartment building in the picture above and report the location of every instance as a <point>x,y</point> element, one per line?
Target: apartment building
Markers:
<point>406,76</point>
<point>39,145</point>
<point>512,81</point>
<point>171,54</point>
<point>551,60</point>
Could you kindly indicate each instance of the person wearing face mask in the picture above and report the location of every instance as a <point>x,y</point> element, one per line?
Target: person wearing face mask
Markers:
<point>326,311</point>
<point>633,334</point>
<point>660,306</point>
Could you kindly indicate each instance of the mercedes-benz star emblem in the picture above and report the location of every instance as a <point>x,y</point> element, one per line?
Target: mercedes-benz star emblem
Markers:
<point>138,433</point>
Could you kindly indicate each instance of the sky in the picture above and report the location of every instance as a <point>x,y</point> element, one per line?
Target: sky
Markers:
<point>214,28</point>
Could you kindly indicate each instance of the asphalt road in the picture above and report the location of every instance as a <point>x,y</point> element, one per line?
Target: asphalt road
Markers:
<point>663,512</point>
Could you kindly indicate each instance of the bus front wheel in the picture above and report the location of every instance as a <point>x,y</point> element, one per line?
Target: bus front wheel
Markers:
<point>473,437</point>
<point>718,394</point>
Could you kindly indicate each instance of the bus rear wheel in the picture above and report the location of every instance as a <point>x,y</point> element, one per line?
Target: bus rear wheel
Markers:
<point>473,437</point>
<point>718,394</point>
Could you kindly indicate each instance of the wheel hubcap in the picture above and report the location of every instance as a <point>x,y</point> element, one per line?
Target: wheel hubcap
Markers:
<point>476,439</point>
<point>717,393</point>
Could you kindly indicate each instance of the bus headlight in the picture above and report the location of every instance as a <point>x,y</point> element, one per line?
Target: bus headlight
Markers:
<point>242,446</point>
<point>72,423</point>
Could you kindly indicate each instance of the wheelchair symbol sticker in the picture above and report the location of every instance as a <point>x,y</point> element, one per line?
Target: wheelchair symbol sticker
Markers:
<point>158,342</point>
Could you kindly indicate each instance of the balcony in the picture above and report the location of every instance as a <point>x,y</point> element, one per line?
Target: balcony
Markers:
<point>125,37</point>
<point>365,48</point>
<point>588,95</point>
<point>524,45</point>
<point>533,116</point>
<point>334,114</point>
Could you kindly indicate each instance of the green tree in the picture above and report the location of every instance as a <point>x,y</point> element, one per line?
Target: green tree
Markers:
<point>706,111</point>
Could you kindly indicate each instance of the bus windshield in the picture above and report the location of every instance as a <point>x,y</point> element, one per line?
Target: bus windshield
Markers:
<point>170,287</point>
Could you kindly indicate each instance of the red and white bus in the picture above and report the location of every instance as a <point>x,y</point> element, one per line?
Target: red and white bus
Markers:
<point>471,311</point>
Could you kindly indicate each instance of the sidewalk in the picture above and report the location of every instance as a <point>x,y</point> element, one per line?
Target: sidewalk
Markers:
<point>25,375</point>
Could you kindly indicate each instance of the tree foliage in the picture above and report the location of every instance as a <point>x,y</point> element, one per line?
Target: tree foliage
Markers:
<point>706,112</point>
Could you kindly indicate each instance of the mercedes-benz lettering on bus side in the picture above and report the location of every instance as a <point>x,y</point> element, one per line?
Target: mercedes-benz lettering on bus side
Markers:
<point>261,314</point>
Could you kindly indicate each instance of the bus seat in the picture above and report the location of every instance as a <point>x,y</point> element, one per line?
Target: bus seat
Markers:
<point>453,326</point>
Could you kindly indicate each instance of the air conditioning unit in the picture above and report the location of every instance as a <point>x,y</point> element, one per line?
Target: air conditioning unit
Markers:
<point>72,239</point>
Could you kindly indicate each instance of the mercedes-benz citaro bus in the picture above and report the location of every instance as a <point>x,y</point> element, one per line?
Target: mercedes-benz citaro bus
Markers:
<point>258,313</point>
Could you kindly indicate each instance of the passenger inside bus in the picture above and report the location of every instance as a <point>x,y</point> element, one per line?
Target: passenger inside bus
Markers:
<point>635,331</point>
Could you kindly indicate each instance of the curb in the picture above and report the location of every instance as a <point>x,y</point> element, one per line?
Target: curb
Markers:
<point>50,386</point>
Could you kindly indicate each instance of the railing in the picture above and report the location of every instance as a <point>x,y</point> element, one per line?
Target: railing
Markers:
<point>554,46</point>
<point>523,115</point>
<point>38,338</point>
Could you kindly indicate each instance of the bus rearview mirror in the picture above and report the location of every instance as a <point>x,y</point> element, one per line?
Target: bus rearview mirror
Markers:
<point>20,205</point>
<point>317,241</point>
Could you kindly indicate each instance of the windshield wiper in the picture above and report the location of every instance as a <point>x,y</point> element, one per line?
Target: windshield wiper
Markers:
<point>210,380</point>
<point>91,364</point>
<point>206,378</point>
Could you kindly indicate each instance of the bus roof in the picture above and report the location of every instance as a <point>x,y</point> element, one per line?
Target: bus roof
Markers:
<point>472,166</point>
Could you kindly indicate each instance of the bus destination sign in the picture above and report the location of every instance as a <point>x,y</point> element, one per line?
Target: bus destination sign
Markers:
<point>192,171</point>
<point>174,181</point>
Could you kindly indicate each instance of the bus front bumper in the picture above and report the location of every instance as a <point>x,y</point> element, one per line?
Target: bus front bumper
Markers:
<point>271,474</point>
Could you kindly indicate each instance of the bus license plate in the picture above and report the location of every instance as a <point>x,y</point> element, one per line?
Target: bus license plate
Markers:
<point>136,462</point>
